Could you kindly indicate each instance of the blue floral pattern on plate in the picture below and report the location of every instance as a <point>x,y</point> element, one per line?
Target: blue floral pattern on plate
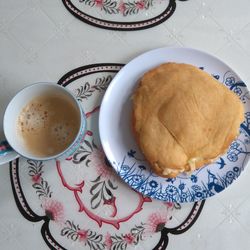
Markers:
<point>204,182</point>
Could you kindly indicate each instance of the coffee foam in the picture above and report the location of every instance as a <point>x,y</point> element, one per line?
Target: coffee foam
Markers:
<point>33,117</point>
<point>48,124</point>
<point>61,132</point>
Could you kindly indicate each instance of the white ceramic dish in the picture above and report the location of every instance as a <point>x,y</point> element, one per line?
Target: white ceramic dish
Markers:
<point>121,149</point>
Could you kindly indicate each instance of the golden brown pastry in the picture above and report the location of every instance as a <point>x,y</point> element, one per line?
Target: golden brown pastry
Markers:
<point>183,118</point>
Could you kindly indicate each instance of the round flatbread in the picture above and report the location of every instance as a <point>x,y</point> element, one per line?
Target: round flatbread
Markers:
<point>183,118</point>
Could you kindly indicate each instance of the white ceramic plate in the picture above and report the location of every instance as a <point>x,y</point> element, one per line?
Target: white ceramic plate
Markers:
<point>121,148</point>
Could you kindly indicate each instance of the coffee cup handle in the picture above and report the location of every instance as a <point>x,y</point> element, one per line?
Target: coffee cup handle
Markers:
<point>7,154</point>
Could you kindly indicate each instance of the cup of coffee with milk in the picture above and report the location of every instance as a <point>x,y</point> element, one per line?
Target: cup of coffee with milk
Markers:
<point>43,121</point>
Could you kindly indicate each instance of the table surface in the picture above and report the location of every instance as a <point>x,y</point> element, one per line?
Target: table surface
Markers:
<point>41,41</point>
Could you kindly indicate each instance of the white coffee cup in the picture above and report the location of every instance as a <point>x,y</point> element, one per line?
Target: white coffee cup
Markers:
<point>13,146</point>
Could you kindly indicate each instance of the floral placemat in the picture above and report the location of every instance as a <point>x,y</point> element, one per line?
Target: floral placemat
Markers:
<point>122,14</point>
<point>82,202</point>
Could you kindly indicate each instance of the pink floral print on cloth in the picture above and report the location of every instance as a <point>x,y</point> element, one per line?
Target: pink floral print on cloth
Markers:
<point>123,15</point>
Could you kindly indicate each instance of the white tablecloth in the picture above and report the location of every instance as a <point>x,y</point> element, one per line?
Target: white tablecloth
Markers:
<point>41,41</point>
